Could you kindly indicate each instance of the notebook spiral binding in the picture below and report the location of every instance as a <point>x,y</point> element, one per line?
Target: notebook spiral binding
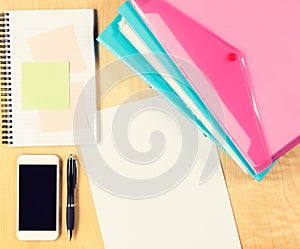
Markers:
<point>5,80</point>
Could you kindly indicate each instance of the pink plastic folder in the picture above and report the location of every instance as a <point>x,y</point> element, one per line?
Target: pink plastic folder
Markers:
<point>249,53</point>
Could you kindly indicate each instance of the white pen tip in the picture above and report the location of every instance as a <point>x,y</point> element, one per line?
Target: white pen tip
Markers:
<point>69,235</point>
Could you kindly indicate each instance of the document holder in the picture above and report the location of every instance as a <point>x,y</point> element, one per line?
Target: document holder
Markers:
<point>140,28</point>
<point>219,65</point>
<point>114,40</point>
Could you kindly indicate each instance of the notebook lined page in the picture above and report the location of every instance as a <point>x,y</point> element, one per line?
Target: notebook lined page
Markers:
<point>27,24</point>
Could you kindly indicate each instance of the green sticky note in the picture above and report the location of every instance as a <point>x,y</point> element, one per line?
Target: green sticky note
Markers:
<point>45,85</point>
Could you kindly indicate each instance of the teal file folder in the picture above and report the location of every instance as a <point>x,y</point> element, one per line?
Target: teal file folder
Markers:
<point>117,43</point>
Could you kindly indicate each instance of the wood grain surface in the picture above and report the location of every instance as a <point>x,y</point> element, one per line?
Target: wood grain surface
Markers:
<point>267,213</point>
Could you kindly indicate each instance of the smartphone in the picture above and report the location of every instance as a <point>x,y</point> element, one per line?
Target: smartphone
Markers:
<point>38,197</point>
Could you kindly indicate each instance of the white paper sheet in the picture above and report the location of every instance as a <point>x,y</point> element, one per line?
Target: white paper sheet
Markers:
<point>187,215</point>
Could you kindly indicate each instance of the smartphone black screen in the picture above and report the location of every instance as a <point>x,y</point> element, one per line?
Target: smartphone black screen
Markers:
<point>37,197</point>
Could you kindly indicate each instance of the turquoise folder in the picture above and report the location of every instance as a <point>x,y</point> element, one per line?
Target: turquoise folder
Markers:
<point>117,43</point>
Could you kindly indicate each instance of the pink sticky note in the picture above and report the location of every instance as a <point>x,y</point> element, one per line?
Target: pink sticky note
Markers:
<point>57,45</point>
<point>62,120</point>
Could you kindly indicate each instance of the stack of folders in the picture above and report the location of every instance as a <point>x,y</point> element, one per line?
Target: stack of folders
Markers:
<point>222,67</point>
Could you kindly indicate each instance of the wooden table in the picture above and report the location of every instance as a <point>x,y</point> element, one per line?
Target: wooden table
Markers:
<point>267,213</point>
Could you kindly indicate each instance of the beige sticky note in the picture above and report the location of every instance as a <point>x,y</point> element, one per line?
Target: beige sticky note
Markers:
<point>45,85</point>
<point>62,120</point>
<point>58,45</point>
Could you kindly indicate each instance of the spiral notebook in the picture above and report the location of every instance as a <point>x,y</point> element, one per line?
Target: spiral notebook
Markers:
<point>47,70</point>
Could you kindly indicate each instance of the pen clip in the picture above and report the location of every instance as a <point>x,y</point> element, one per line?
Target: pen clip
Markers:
<point>75,172</point>
<point>69,169</point>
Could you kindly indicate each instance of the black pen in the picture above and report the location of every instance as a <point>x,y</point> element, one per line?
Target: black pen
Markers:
<point>71,179</point>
